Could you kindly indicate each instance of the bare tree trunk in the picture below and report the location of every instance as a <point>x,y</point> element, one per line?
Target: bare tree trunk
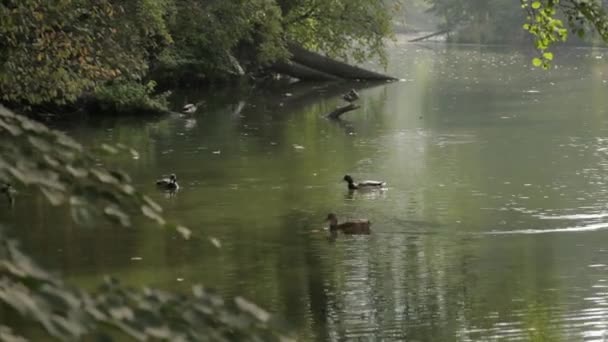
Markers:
<point>308,65</point>
<point>335,114</point>
<point>302,72</point>
<point>438,33</point>
<point>331,66</point>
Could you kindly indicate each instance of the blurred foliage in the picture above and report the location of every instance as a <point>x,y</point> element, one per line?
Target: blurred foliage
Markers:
<point>34,156</point>
<point>548,21</point>
<point>545,21</point>
<point>479,21</point>
<point>113,310</point>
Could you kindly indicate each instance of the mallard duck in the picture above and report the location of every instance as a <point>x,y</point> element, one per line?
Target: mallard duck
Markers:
<point>368,184</point>
<point>360,226</point>
<point>169,184</point>
<point>351,96</point>
<point>191,108</point>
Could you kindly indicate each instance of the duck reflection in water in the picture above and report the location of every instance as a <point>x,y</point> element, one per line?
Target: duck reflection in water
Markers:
<point>371,194</point>
<point>352,227</point>
<point>345,125</point>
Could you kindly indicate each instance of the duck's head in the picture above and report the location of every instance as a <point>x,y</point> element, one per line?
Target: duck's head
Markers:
<point>348,179</point>
<point>332,219</point>
<point>173,178</point>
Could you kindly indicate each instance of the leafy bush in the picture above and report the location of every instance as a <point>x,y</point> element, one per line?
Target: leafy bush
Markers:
<point>33,155</point>
<point>130,97</point>
<point>54,51</point>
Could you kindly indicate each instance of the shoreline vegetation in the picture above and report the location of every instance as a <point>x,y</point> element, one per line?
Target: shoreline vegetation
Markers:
<point>120,57</point>
<point>116,56</point>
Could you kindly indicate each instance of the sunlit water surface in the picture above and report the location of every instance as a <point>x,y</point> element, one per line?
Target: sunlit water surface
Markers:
<point>494,224</point>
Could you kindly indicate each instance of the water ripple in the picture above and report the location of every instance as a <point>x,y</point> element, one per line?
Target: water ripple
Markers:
<point>587,228</point>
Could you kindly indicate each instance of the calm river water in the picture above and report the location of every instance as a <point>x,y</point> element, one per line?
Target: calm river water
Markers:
<point>494,225</point>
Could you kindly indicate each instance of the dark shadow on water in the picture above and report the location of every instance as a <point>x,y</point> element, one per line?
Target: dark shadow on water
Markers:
<point>345,125</point>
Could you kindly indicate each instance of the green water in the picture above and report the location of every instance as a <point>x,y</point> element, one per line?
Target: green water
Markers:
<point>493,225</point>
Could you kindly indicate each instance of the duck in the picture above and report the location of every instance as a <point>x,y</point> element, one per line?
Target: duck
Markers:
<point>168,184</point>
<point>368,184</point>
<point>360,226</point>
<point>191,108</point>
<point>351,96</point>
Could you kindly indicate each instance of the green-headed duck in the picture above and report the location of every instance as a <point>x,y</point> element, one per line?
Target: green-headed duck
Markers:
<point>168,184</point>
<point>368,184</point>
<point>191,108</point>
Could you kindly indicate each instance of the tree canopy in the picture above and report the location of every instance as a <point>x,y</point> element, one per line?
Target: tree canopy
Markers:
<point>55,51</point>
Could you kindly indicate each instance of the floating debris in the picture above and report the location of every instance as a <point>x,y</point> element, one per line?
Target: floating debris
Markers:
<point>216,242</point>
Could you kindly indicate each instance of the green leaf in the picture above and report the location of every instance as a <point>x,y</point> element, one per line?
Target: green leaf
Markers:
<point>537,62</point>
<point>548,56</point>
<point>536,5</point>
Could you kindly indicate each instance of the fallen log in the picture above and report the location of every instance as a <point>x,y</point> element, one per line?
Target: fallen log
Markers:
<point>302,72</point>
<point>335,114</point>
<point>438,33</point>
<point>330,66</point>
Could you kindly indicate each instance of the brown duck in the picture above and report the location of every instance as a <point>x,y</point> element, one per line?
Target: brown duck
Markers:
<point>360,226</point>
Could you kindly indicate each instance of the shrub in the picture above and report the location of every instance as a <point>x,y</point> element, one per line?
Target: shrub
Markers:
<point>130,97</point>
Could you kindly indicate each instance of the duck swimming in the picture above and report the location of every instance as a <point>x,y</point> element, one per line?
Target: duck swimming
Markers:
<point>168,184</point>
<point>191,108</point>
<point>368,184</point>
<point>351,96</point>
<point>361,226</point>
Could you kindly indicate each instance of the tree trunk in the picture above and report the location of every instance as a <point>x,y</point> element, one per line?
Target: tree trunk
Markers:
<point>302,72</point>
<point>341,110</point>
<point>438,33</point>
<point>304,61</point>
<point>331,66</point>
